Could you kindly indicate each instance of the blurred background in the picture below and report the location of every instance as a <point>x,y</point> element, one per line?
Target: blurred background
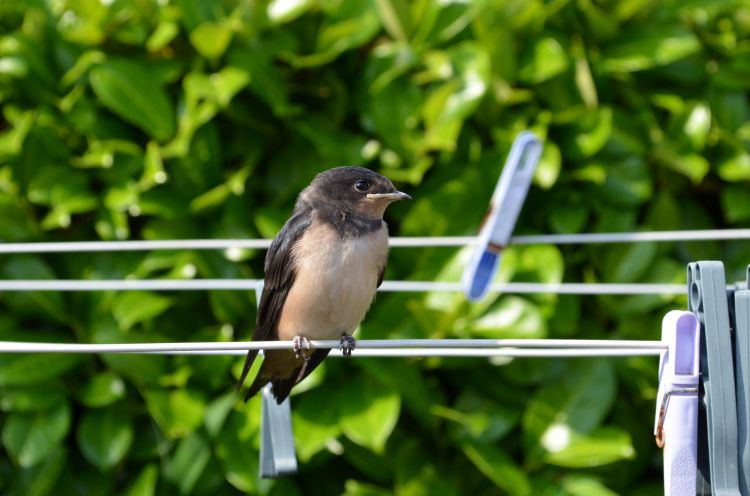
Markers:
<point>174,119</point>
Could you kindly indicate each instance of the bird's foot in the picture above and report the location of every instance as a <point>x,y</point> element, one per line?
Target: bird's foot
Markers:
<point>347,345</point>
<point>300,344</point>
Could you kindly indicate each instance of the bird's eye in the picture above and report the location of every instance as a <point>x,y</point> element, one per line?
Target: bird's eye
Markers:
<point>362,185</point>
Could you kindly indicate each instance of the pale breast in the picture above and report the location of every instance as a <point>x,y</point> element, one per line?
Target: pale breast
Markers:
<point>335,283</point>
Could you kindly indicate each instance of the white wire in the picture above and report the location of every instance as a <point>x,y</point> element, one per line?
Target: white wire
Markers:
<point>389,286</point>
<point>395,347</point>
<point>463,352</point>
<point>221,244</point>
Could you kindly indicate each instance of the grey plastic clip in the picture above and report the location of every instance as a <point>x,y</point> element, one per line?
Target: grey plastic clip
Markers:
<point>742,381</point>
<point>277,456</point>
<point>717,412</point>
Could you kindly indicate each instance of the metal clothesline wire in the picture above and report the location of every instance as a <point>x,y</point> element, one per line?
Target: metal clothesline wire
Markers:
<point>387,286</point>
<point>429,241</point>
<point>371,348</point>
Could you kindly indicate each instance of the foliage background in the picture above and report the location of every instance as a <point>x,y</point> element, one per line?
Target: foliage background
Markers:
<point>130,119</point>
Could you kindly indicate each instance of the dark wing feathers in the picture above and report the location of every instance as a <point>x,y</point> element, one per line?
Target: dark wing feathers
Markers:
<point>279,277</point>
<point>282,387</point>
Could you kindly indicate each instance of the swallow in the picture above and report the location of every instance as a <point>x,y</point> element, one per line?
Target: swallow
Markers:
<point>321,273</point>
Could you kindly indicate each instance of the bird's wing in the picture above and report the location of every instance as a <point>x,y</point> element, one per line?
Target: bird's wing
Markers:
<point>280,274</point>
<point>380,276</point>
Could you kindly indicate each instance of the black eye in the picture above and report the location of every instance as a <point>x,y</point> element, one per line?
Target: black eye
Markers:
<point>362,185</point>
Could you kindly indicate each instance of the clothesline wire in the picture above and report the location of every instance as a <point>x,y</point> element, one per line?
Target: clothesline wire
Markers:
<point>370,348</point>
<point>404,348</point>
<point>429,241</point>
<point>387,286</point>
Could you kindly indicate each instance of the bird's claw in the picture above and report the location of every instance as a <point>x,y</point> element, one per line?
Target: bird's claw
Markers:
<point>347,345</point>
<point>300,344</point>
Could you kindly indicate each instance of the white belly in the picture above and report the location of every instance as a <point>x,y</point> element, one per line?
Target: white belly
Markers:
<point>335,283</point>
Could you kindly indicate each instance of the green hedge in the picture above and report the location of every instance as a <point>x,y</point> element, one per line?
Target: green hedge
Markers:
<point>133,119</point>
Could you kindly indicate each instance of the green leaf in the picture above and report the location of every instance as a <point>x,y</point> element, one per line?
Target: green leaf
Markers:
<point>41,479</point>
<point>129,89</point>
<point>33,267</point>
<point>237,447</point>
<point>651,47</point>
<point>355,488</point>
<point>629,263</point>
<point>315,427</point>
<point>581,485</point>
<point>478,418</point>
<point>628,183</point>
<point>576,404</point>
<point>697,124</point>
<point>102,389</point>
<point>164,33</point>
<point>350,25</point>
<point>369,414</point>
<point>450,104</point>
<point>217,412</point>
<point>394,14</point>
<point>546,59</point>
<point>188,462</point>
<point>26,369</point>
<point>145,484</point>
<point>211,39</point>
<point>105,436</point>
<point>548,169</point>
<point>734,203</point>
<point>736,167</point>
<point>600,447</point>
<point>29,439</point>
<point>178,413</point>
<point>283,11</point>
<point>593,131</point>
<point>31,399</point>
<point>135,307</point>
<point>512,317</point>
<point>498,467</point>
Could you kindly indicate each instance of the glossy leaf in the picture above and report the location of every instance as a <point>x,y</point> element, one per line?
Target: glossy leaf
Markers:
<point>102,390</point>
<point>600,447</point>
<point>134,307</point>
<point>30,438</point>
<point>370,416</point>
<point>145,484</point>
<point>177,413</point>
<point>105,436</point>
<point>499,467</point>
<point>129,89</point>
<point>188,462</point>
<point>576,404</point>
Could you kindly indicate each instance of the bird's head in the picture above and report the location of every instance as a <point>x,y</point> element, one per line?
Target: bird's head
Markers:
<point>354,190</point>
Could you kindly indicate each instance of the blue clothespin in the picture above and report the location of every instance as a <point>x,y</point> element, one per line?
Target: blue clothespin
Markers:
<point>676,421</point>
<point>741,327</point>
<point>717,409</point>
<point>277,455</point>
<point>507,200</point>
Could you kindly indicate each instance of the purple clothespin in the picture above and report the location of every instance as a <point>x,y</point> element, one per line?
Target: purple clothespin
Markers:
<point>676,424</point>
<point>507,200</point>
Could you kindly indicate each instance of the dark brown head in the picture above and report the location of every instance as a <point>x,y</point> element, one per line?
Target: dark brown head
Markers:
<point>352,191</point>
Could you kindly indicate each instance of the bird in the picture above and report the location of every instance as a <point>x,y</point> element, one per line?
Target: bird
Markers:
<point>321,274</point>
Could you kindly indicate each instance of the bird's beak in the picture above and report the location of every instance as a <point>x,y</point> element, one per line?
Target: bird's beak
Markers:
<point>393,196</point>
